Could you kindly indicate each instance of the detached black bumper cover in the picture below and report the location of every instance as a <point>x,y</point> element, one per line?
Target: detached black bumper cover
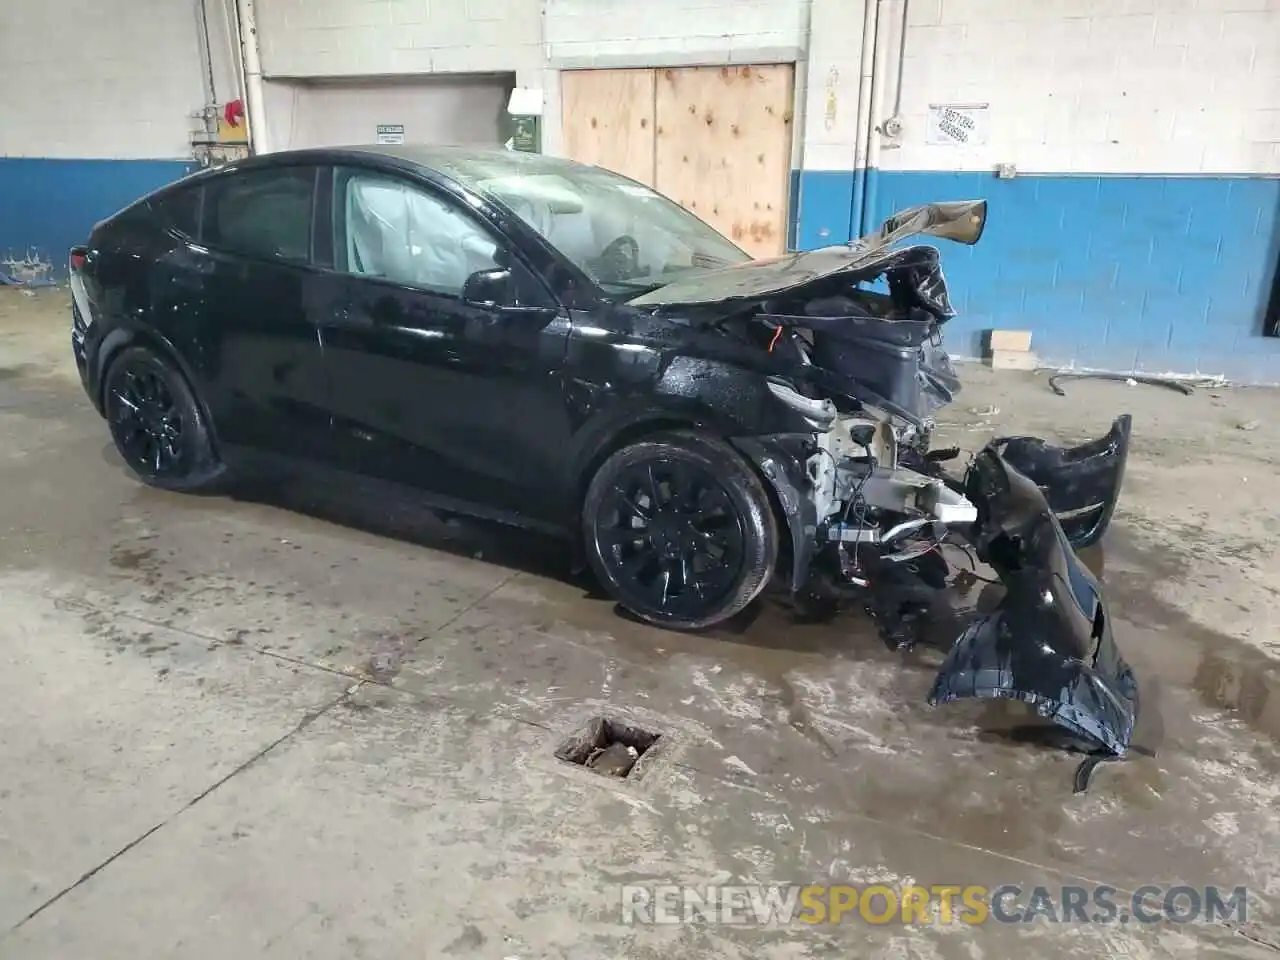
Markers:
<point>1081,484</point>
<point>1049,641</point>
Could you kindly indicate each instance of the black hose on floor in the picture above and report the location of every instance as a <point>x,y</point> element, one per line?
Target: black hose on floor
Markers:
<point>1183,388</point>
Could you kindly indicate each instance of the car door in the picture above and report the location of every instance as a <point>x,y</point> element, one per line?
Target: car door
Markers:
<point>461,398</point>
<point>253,276</point>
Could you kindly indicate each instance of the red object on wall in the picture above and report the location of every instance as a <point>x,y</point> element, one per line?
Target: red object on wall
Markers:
<point>233,112</point>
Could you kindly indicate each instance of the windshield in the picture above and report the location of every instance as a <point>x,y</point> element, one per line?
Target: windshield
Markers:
<point>626,237</point>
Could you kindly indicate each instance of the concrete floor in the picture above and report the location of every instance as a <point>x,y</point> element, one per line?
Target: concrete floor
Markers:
<point>271,730</point>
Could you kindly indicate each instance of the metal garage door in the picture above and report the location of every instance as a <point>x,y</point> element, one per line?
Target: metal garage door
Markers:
<point>314,113</point>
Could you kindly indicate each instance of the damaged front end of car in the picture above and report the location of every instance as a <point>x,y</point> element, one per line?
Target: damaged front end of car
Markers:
<point>869,505</point>
<point>872,533</point>
<point>1023,507</point>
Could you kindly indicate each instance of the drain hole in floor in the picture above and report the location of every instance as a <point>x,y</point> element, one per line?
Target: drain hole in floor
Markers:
<point>607,746</point>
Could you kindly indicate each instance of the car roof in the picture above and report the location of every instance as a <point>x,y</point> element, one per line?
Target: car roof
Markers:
<point>465,164</point>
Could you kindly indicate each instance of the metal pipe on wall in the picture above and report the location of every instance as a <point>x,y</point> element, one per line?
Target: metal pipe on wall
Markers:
<point>870,12</point>
<point>1271,324</point>
<point>206,53</point>
<point>247,28</point>
<point>881,48</point>
<point>232,26</point>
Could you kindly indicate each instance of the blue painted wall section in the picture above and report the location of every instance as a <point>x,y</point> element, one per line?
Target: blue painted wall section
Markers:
<point>822,204</point>
<point>1147,273</point>
<point>47,206</point>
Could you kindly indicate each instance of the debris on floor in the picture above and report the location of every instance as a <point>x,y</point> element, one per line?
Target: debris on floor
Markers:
<point>30,271</point>
<point>608,747</point>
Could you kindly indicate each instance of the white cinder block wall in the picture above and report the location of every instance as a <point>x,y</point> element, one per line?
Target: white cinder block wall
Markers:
<point>341,38</point>
<point>97,80</point>
<point>97,110</point>
<point>1098,86</point>
<point>670,32</point>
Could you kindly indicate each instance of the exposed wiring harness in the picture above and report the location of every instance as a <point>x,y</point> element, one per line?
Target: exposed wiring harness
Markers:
<point>968,553</point>
<point>855,499</point>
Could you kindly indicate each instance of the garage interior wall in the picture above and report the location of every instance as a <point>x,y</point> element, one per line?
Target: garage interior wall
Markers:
<point>1142,228</point>
<point>441,109</point>
<point>443,71</point>
<point>345,38</point>
<point>97,110</point>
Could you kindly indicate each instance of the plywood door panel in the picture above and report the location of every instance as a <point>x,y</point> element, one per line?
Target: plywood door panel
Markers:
<point>607,118</point>
<point>723,148</point>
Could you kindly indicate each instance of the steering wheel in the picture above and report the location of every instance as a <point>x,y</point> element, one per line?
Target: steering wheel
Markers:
<point>620,260</point>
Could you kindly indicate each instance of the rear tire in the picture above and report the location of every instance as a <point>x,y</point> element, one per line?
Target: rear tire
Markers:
<point>156,423</point>
<point>680,531</point>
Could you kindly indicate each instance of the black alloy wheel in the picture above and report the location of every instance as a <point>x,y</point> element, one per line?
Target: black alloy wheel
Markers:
<point>680,530</point>
<point>156,423</point>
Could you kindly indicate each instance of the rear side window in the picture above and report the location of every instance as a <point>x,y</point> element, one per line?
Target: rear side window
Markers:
<point>262,213</point>
<point>180,210</point>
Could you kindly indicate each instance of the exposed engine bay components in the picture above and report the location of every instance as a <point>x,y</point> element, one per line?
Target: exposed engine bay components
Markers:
<point>1024,506</point>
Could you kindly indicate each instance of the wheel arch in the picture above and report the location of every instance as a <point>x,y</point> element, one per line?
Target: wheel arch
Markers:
<point>624,436</point>
<point>610,435</point>
<point>121,339</point>
<point>781,472</point>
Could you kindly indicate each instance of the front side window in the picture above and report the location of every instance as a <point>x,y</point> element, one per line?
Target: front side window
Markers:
<point>262,213</point>
<point>396,231</point>
<point>625,236</point>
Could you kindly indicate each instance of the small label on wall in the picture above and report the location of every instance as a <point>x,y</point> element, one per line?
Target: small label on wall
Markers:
<point>527,135</point>
<point>956,124</point>
<point>391,133</point>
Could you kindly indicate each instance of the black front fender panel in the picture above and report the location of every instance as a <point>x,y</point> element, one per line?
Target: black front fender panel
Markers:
<point>781,459</point>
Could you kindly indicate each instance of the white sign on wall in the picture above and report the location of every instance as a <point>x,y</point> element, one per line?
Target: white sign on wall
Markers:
<point>956,124</point>
<point>391,133</point>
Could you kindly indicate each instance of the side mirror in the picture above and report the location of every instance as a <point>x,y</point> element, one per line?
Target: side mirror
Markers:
<point>496,290</point>
<point>492,288</point>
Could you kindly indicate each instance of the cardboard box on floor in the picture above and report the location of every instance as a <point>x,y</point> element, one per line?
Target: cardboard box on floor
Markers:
<point>1010,350</point>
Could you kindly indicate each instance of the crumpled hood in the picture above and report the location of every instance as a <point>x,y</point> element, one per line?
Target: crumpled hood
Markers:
<point>962,221</point>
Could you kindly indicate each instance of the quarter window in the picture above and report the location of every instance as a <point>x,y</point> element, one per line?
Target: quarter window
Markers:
<point>262,213</point>
<point>180,210</point>
<point>395,231</point>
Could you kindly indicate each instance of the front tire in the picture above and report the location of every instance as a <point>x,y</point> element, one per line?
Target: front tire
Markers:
<point>156,423</point>
<point>680,531</point>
